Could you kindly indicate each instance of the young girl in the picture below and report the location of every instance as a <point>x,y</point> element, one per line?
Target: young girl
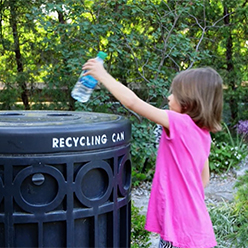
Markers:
<point>177,210</point>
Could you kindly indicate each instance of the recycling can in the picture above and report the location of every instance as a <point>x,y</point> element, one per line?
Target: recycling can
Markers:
<point>65,179</point>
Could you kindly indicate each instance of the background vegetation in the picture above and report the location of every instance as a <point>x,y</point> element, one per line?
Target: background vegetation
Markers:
<point>43,44</point>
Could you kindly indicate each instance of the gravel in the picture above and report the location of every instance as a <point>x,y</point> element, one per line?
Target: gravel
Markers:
<point>219,189</point>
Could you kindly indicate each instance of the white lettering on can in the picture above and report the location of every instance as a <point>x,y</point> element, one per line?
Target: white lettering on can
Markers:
<point>75,140</point>
<point>116,137</point>
<point>82,141</point>
<point>55,142</point>
<point>104,139</point>
<point>68,142</point>
<point>98,140</point>
<point>62,142</point>
<point>87,141</point>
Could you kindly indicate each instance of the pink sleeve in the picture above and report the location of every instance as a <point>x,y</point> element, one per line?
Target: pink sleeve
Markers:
<point>177,123</point>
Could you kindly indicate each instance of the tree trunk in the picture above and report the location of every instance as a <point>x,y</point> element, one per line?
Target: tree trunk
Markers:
<point>62,20</point>
<point>230,68</point>
<point>21,80</point>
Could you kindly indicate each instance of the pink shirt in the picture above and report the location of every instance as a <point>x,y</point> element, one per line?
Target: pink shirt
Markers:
<point>177,209</point>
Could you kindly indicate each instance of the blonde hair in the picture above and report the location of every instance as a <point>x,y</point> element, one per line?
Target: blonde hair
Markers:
<point>200,95</point>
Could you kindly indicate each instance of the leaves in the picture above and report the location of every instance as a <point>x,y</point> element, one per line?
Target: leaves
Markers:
<point>139,236</point>
<point>227,151</point>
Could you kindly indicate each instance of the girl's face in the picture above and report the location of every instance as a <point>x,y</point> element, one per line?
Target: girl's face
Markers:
<point>173,104</point>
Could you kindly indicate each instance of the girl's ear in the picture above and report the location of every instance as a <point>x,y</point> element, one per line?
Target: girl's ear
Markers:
<point>184,109</point>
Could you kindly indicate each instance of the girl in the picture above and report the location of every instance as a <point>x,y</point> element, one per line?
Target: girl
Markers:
<point>177,210</point>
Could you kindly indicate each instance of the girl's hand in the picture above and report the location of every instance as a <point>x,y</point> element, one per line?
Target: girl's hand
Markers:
<point>95,69</point>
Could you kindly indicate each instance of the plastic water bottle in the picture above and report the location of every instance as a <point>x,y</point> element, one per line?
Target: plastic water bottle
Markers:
<point>86,84</point>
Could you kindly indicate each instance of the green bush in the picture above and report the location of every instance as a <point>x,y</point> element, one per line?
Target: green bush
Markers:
<point>227,150</point>
<point>143,151</point>
<point>139,236</point>
<point>224,156</point>
<point>230,220</point>
<point>239,235</point>
<point>224,219</point>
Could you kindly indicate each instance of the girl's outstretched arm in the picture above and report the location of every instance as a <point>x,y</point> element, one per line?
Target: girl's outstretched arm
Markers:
<point>126,96</point>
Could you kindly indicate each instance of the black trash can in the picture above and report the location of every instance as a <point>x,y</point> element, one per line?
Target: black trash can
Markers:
<point>65,179</point>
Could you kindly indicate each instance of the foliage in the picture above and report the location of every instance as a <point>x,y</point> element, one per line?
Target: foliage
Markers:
<point>239,236</point>
<point>223,52</point>
<point>224,220</point>
<point>148,42</point>
<point>143,151</point>
<point>226,151</point>
<point>224,156</point>
<point>230,219</point>
<point>139,236</point>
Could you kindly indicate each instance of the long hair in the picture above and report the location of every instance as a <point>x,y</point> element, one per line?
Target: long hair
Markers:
<point>200,95</point>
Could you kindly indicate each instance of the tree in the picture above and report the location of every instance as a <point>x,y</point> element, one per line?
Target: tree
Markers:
<point>227,46</point>
<point>15,39</point>
<point>147,41</point>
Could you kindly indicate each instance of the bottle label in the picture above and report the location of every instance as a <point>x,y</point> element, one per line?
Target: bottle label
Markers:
<point>89,82</point>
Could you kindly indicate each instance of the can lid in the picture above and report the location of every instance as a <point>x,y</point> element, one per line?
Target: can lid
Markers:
<point>43,132</point>
<point>102,55</point>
